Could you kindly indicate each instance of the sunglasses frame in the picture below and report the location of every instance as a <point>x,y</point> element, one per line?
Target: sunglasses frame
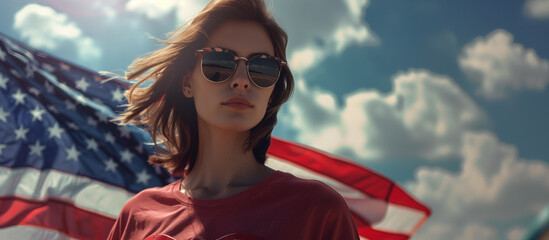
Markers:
<point>281,63</point>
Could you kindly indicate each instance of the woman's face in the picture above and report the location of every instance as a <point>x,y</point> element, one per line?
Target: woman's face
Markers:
<point>220,105</point>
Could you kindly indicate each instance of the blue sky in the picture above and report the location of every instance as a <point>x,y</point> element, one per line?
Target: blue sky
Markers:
<point>446,97</point>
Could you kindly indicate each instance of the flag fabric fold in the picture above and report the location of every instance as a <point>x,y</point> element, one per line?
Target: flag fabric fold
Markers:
<point>66,170</point>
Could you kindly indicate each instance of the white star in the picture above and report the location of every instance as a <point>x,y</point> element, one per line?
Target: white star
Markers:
<point>73,126</point>
<point>19,97</point>
<point>55,131</point>
<point>126,156</point>
<point>102,117</point>
<point>37,113</point>
<point>2,55</point>
<point>3,115</point>
<point>3,81</point>
<point>92,144</point>
<point>124,131</point>
<point>21,133</point>
<point>109,138</point>
<point>70,106</point>
<point>82,84</point>
<point>110,165</point>
<point>34,91</point>
<point>118,95</point>
<point>49,87</point>
<point>37,149</point>
<point>92,122</point>
<point>2,146</point>
<point>143,177</point>
<point>72,153</point>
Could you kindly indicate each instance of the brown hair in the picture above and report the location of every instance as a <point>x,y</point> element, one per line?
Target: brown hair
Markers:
<point>170,116</point>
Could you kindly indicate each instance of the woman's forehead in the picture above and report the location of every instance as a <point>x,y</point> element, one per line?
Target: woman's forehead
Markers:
<point>243,37</point>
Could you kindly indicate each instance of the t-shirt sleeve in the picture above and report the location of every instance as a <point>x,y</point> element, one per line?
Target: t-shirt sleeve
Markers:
<point>118,227</point>
<point>121,229</point>
<point>338,221</point>
<point>339,224</point>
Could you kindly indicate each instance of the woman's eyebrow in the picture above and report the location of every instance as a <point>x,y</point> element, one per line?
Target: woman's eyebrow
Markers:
<point>252,54</point>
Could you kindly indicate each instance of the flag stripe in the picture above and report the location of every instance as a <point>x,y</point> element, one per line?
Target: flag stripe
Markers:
<point>32,232</point>
<point>398,217</point>
<point>86,193</point>
<point>357,177</point>
<point>52,214</point>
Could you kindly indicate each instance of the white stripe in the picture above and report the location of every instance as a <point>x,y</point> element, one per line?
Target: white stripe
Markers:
<point>382,215</point>
<point>32,233</point>
<point>84,192</point>
<point>305,173</point>
<point>404,219</point>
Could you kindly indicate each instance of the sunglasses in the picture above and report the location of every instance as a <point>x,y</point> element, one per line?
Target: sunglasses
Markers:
<point>219,64</point>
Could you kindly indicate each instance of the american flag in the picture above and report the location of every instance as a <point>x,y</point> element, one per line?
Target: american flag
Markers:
<point>66,170</point>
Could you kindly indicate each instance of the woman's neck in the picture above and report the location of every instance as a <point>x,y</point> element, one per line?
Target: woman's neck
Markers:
<point>221,166</point>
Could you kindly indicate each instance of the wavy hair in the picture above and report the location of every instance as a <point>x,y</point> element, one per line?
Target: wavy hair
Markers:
<point>169,115</point>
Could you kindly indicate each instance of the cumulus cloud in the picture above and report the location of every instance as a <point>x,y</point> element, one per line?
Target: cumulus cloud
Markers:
<point>157,9</point>
<point>327,28</point>
<point>423,116</point>
<point>500,66</point>
<point>47,29</point>
<point>515,233</point>
<point>537,8</point>
<point>493,185</point>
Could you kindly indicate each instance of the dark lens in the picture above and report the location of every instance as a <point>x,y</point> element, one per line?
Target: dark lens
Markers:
<point>218,66</point>
<point>264,71</point>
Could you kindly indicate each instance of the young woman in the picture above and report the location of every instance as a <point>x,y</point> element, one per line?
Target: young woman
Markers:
<point>218,85</point>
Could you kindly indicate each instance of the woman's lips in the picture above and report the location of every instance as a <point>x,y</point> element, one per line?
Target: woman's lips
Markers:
<point>238,103</point>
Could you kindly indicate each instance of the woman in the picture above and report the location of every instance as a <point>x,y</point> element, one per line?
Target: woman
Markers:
<point>218,85</point>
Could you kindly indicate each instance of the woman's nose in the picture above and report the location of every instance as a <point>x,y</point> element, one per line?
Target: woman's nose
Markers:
<point>240,79</point>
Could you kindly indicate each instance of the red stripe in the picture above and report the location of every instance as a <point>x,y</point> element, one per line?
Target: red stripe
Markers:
<point>362,179</point>
<point>55,215</point>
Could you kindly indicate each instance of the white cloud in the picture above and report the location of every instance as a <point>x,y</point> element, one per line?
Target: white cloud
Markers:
<point>305,58</point>
<point>501,66</point>
<point>157,9</point>
<point>537,8</point>
<point>47,29</point>
<point>515,233</point>
<point>327,28</point>
<point>424,116</point>
<point>493,185</point>
<point>151,9</point>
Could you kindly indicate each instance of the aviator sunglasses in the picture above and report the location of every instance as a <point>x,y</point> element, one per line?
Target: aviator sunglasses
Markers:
<point>219,64</point>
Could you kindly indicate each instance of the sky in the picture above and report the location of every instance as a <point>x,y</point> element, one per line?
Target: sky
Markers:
<point>448,98</point>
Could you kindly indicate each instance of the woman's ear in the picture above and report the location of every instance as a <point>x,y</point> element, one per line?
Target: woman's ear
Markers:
<point>186,86</point>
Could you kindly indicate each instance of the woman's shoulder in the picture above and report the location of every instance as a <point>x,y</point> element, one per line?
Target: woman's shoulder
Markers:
<point>151,196</point>
<point>309,188</point>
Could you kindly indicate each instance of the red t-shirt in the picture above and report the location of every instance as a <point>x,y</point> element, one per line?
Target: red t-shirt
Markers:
<point>281,206</point>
